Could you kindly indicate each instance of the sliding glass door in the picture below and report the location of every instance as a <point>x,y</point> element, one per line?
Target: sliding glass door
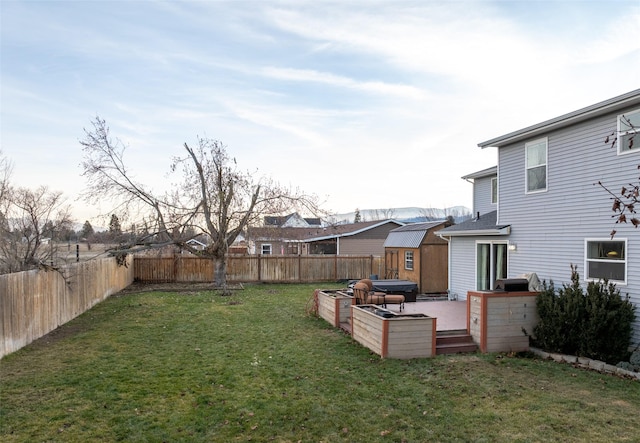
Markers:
<point>491,264</point>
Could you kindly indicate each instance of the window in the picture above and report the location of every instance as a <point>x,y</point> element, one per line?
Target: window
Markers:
<point>606,260</point>
<point>491,264</point>
<point>536,165</point>
<point>494,190</point>
<point>628,126</point>
<point>408,260</point>
<point>266,249</point>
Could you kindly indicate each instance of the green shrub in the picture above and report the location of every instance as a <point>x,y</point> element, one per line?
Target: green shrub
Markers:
<point>596,324</point>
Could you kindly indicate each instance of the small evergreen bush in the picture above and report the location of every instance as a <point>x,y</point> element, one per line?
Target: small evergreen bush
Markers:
<point>596,324</point>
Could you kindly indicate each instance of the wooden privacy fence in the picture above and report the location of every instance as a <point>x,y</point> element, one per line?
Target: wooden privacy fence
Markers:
<point>259,268</point>
<point>34,303</point>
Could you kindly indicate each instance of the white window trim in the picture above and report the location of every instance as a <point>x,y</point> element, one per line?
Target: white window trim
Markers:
<point>492,270</point>
<point>406,260</point>
<point>262,249</point>
<point>587,260</point>
<point>494,180</point>
<point>546,165</point>
<point>636,148</point>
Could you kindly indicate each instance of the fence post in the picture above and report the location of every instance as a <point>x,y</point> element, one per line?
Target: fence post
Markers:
<point>259,268</point>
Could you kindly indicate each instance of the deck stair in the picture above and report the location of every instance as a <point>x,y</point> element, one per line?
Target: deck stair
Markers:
<point>454,342</point>
<point>346,326</point>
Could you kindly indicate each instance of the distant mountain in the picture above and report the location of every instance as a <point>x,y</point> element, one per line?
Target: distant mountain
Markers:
<point>405,215</point>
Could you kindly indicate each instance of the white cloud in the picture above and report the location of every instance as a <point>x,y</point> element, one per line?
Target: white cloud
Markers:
<point>378,105</point>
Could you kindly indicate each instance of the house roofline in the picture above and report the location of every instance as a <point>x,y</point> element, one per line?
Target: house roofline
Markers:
<point>493,170</point>
<point>613,104</point>
<point>506,230</point>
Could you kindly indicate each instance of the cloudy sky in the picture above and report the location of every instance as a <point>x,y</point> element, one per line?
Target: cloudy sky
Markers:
<point>368,104</point>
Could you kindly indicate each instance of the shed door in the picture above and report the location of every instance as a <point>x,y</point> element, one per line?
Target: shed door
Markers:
<point>434,270</point>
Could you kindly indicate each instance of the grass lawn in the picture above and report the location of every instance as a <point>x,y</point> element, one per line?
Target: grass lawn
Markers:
<point>197,367</point>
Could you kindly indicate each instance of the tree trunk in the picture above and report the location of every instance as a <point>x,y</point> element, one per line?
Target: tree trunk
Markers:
<point>220,272</point>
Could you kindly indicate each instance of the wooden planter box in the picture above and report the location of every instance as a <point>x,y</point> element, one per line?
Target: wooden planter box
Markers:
<point>397,336</point>
<point>497,320</point>
<point>334,306</point>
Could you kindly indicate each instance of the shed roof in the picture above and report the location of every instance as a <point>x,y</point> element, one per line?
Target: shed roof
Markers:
<point>410,235</point>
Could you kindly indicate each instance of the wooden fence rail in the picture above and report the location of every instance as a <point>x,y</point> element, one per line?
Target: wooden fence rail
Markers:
<point>259,268</point>
<point>34,303</point>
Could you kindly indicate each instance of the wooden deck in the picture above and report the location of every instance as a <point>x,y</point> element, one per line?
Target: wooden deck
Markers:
<point>451,324</point>
<point>451,315</point>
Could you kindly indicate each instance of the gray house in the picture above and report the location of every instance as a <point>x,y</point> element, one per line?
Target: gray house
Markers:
<point>541,210</point>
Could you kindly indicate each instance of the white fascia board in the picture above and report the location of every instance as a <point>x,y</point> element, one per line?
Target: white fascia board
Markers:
<point>630,99</point>
<point>483,232</point>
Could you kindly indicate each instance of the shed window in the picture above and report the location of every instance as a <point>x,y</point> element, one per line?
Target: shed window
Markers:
<point>536,165</point>
<point>266,249</point>
<point>606,260</point>
<point>628,125</point>
<point>408,260</point>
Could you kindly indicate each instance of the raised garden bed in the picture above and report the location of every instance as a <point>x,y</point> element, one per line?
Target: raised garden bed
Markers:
<point>393,335</point>
<point>501,321</point>
<point>334,306</point>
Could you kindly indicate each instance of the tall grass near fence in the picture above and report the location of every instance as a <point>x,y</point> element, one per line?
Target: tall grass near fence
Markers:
<point>34,303</point>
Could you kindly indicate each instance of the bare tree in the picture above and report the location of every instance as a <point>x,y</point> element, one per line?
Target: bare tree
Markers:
<point>381,214</point>
<point>31,220</point>
<point>429,213</point>
<point>213,195</point>
<point>5,174</point>
<point>626,200</point>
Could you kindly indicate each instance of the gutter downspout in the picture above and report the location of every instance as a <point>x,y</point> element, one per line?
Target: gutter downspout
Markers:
<point>448,240</point>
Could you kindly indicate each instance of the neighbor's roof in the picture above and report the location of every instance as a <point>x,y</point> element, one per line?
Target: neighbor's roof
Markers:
<point>279,220</point>
<point>266,233</point>
<point>484,225</point>
<point>350,229</point>
<point>613,104</point>
<point>410,235</point>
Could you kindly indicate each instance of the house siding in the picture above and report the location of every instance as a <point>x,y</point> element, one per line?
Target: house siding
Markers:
<point>358,246</point>
<point>369,242</point>
<point>462,265</point>
<point>549,228</point>
<point>482,195</point>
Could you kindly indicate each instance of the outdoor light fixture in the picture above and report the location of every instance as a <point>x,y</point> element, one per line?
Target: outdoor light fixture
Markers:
<point>513,247</point>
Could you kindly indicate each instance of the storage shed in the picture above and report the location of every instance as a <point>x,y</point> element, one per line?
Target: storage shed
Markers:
<point>414,252</point>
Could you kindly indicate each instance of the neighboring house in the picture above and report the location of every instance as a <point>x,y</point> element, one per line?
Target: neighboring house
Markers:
<point>239,246</point>
<point>274,240</point>
<point>362,238</point>
<point>414,252</point>
<point>293,220</point>
<point>196,244</point>
<point>365,238</point>
<point>548,212</point>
